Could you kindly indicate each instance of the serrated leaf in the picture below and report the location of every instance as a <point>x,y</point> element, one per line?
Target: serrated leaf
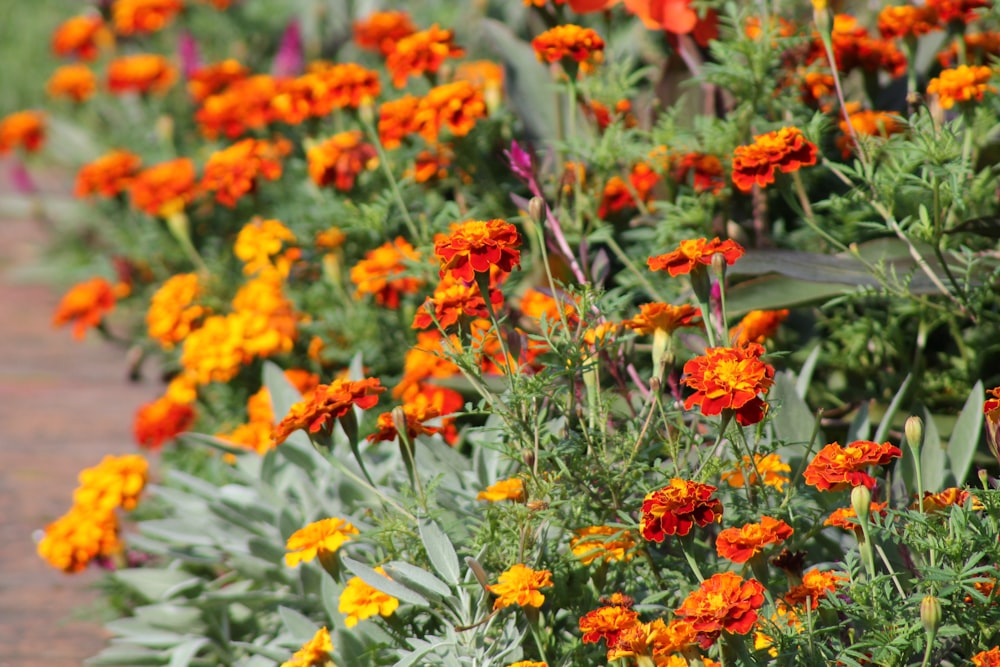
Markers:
<point>416,578</point>
<point>966,434</point>
<point>933,460</point>
<point>297,625</point>
<point>382,583</point>
<point>440,551</point>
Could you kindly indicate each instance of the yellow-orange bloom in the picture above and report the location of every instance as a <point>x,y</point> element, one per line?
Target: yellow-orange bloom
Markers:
<point>22,128</point>
<point>323,89</point>
<point>320,538</point>
<point>741,544</point>
<point>259,246</point>
<point>77,82</point>
<point>678,507</point>
<point>907,21</point>
<point>521,585</point>
<point>475,246</point>
<point>835,467</point>
<point>990,658</point>
<point>724,602</point>
<point>381,31</point>
<point>173,313</point>
<point>244,104</point>
<point>757,326</point>
<point>115,482</point>
<point>80,37</point>
<point>210,79</point>
<point>360,601</point>
<point>338,160</point>
<point>657,316</point>
<point>505,489</point>
<point>730,378</point>
<point>383,272</point>
<point>605,543</point>
<point>814,587</point>
<point>421,53</point>
<point>415,415</point>
<point>164,189</point>
<point>868,123</point>
<point>608,622</point>
<point>160,421</point>
<point>770,467</point>
<point>85,305</point>
<point>232,172</point>
<point>108,175</point>
<point>847,518</point>
<point>693,252</point>
<point>454,106</point>
<point>944,500</point>
<point>327,404</point>
<point>454,300</point>
<point>78,537</point>
<point>786,150</point>
<point>396,119</point>
<point>962,84</point>
<point>581,46</point>
<point>617,195</point>
<point>141,73</point>
<point>314,653</point>
<point>142,17</point>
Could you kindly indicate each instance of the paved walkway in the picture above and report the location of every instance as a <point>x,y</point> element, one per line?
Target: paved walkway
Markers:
<point>63,405</point>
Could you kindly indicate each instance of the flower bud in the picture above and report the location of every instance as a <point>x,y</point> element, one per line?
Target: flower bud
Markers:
<point>536,209</point>
<point>861,502</point>
<point>930,614</point>
<point>719,265</point>
<point>914,429</point>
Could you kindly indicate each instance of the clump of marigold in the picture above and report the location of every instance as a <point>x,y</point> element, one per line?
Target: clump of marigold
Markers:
<point>769,466</point>
<point>76,82</point>
<point>455,300</point>
<point>338,160</point>
<point>730,379</point>
<point>978,48</point>
<point>360,601</point>
<point>704,171</point>
<point>314,653</point>
<point>233,172</point>
<point>78,537</point>
<point>571,45</point>
<point>396,120</point>
<point>942,501</point>
<point>741,544</point>
<point>141,73</point>
<point>506,489</point>
<point>520,585</point>
<point>453,106</point>
<point>25,129</point>
<point>617,195</point>
<point>608,621</point>
<point>160,421</point>
<point>85,305</point>
<point>262,246</point>
<point>815,586</point>
<point>108,175</point>
<point>835,468</point>
<point>244,104</point>
<point>605,543</point>
<point>327,404</point>
<point>694,252</point>
<point>115,482</point>
<point>213,78</point>
<point>476,246</point>
<point>143,17</point>
<point>962,84</point>
<point>324,88</point>
<point>785,150</point>
<point>421,53</point>
<point>80,37</point>
<point>381,31</point>
<point>320,538</point>
<point>757,326</point>
<point>173,312</point>
<point>678,507</point>
<point>724,602</point>
<point>164,189</point>
<point>854,48</point>
<point>960,11</point>
<point>847,518</point>
<point>383,272</point>
<point>907,21</point>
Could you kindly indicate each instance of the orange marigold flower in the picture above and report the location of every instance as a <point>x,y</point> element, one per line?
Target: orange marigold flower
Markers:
<point>962,84</point>
<point>618,196</point>
<point>22,128</point>
<point>741,544</point>
<point>854,48</point>
<point>245,104</point>
<point>724,602</point>
<point>454,106</point>
<point>607,623</point>
<point>505,489</point>
<point>730,378</point>
<point>991,412</point>
<point>990,658</point>
<point>786,150</point>
<point>383,272</point>
<point>693,252</point>
<point>528,663</point>
<point>85,305</point>
<point>676,16</point>
<point>424,361</point>
<point>232,172</point>
<point>815,586</point>
<point>330,239</point>
<point>907,21</point>
<point>338,160</point>
<point>141,73</point>
<point>320,538</point>
<point>315,652</point>
<point>979,47</point>
<point>835,468</point>
<point>607,543</point>
<point>380,31</point>
<point>521,585</point>
<point>846,518</point>
<point>173,313</point>
<point>583,46</point>
<point>77,82</point>
<point>262,246</point>
<point>430,165</point>
<point>475,246</point>
<point>705,172</point>
<point>327,404</point>
<point>943,500</point>
<point>115,482</point>
<point>396,119</point>
<point>963,11</point>
<point>218,349</point>
<point>538,305</point>
<point>80,37</point>
<point>323,89</point>
<point>757,326</point>
<point>161,421</point>
<point>415,414</point>
<point>210,79</point>
<point>640,640</point>
<point>452,300</point>
<point>142,17</point>
<point>486,75</point>
<point>675,509</point>
<point>770,467</point>
<point>164,189</point>
<point>109,175</point>
<point>604,116</point>
<point>421,53</point>
<point>360,601</point>
<point>867,123</point>
<point>78,537</point>
<point>658,316</point>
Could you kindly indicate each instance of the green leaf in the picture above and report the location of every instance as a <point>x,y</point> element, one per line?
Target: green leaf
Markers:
<point>966,434</point>
<point>213,442</point>
<point>136,631</point>
<point>182,531</point>
<point>300,627</point>
<point>172,617</point>
<point>330,595</point>
<point>440,551</point>
<point>415,578</point>
<point>805,375</point>
<point>793,420</point>
<point>121,654</point>
<point>382,583</point>
<point>154,584</point>
<point>185,653</point>
<point>283,394</point>
<point>933,459</point>
<point>890,412</point>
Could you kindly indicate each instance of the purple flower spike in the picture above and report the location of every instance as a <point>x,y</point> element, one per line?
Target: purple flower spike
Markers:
<point>289,60</point>
<point>188,53</point>
<point>520,162</point>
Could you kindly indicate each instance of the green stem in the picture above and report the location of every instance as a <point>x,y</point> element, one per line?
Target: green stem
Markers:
<point>383,160</point>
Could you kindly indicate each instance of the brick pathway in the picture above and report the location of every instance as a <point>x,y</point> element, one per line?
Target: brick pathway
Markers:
<point>63,405</point>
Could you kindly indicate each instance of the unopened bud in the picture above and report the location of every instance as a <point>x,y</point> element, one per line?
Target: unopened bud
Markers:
<point>478,571</point>
<point>984,479</point>
<point>719,265</point>
<point>399,421</point>
<point>536,209</point>
<point>528,456</point>
<point>914,429</point>
<point>861,502</point>
<point>930,614</point>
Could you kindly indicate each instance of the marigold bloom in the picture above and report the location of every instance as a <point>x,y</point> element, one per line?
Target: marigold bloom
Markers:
<point>658,316</point>
<point>260,245</point>
<point>421,53</point>
<point>528,663</point>
<point>607,543</point>
<point>815,586</point>
<point>730,378</point>
<point>85,305</point>
<point>165,188</point>
<point>520,585</point>
<point>173,313</point>
<point>617,195</point>
<point>675,509</point>
<point>786,150</point>
<point>232,172</point>
<point>475,246</point>
<point>854,48</point>
<point>582,46</point>
<point>319,538</point>
<point>80,37</point>
<point>380,31</point>
<point>452,301</point>
<point>415,414</point>
<point>454,106</point>
<point>108,175</point>
<point>979,47</point>
<point>141,73</point>
<point>907,21</point>
<point>846,518</point>
<point>115,482</point>
<point>757,326</point>
<point>835,468</point>
<point>943,500</point>
<point>77,82</point>
<point>324,89</point>
<point>160,421</point>
<point>383,272</point>
<point>424,361</point>
<point>338,160</point>
<point>314,653</point>
<point>724,602</point>
<point>675,16</point>
<point>142,17</point>
<point>327,404</point>
<point>22,128</point>
<point>431,165</point>
<point>607,623</point>
<point>705,172</point>
<point>741,544</point>
<point>210,79</point>
<point>962,84</point>
<point>360,601</point>
<point>539,305</point>
<point>693,252</point>
<point>770,467</point>
<point>78,537</point>
<point>245,104</point>
<point>990,658</point>
<point>962,11</point>
<point>991,412</point>
<point>505,489</point>
<point>396,119</point>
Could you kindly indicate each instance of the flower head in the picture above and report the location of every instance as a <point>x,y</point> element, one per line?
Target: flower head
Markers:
<point>475,246</point>
<point>835,468</point>
<point>421,53</point>
<point>165,188</point>
<point>142,17</point>
<point>338,160</point>
<point>324,89</point>
<point>657,316</point>
<point>80,37</point>
<point>234,171</point>
<point>846,518</point>
<point>160,421</point>
<point>724,602</point>
<point>769,466</point>
<point>786,150</point>
<point>705,172</point>
<point>505,489</point>
<point>675,509</point>
<point>607,622</point>
<point>741,544</point>
<point>73,540</point>
<point>173,313</point>
<point>360,601</point>
<point>415,415</point>
<point>452,301</point>
<point>314,653</point>
<point>319,538</point>
<point>244,104</point>
<point>262,247</point>
<point>990,658</point>
<point>453,106</point>
<point>581,46</point>
<point>381,31</point>
<point>327,404</point>
<point>757,326</point>
<point>944,500</point>
<point>907,20</point>
<point>115,482</point>
<point>815,586</point>
<point>385,274</point>
<point>617,195</point>
<point>962,84</point>
<point>962,11</point>
<point>85,304</point>
<point>605,543</point>
<point>141,73</point>
<point>76,82</point>
<point>396,120</point>
<point>22,128</point>
<point>694,252</point>
<point>213,78</point>
<point>730,378</point>
<point>521,585</point>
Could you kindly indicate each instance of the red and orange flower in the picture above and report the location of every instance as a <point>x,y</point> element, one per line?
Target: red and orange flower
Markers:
<point>214,78</point>
<point>694,252</point>
<point>741,544</point>
<point>421,53</point>
<point>475,246</point>
<point>396,120</point>
<point>164,189</point>
<point>705,172</point>
<point>142,17</point>
<point>340,159</point>
<point>608,622</point>
<point>161,421</point>
<point>757,326</point>
<point>384,272</point>
<point>327,404</point>
<point>232,172</point>
<point>141,73</point>
<point>452,300</point>
<point>675,509</point>
<point>785,150</point>
<point>22,128</point>
<point>244,104</point>
<point>657,316</point>
<point>723,603</point>
<point>990,658</point>
<point>730,378</point>
<point>581,47</point>
<point>962,84</point>
<point>80,37</point>
<point>835,467</point>
<point>944,500</point>
<point>991,411</point>
<point>846,518</point>
<point>454,106</point>
<point>108,175</point>
<point>415,415</point>
<point>815,586</point>
<point>76,82</point>
<point>85,305</point>
<point>381,31</point>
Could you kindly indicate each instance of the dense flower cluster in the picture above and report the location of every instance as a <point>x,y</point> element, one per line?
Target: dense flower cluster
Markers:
<point>421,53</point>
<point>785,150</point>
<point>520,585</point>
<point>835,467</point>
<point>677,508</point>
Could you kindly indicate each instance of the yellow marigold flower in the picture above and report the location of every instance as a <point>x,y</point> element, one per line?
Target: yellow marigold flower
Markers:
<point>76,81</point>
<point>78,537</point>
<point>260,243</point>
<point>520,585</point>
<point>173,313</point>
<point>528,663</point>
<point>116,482</point>
<point>215,351</point>
<point>770,467</point>
<point>314,653</point>
<point>320,538</point>
<point>657,316</point>
<point>505,489</point>
<point>602,542</point>
<point>360,601</point>
<point>962,84</point>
